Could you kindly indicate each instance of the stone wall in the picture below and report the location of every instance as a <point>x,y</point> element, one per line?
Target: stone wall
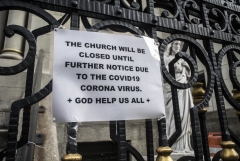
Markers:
<point>99,131</point>
<point>212,121</point>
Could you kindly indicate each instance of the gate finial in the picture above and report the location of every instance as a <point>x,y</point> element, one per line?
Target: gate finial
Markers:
<point>72,157</point>
<point>236,96</point>
<point>164,154</point>
<point>198,92</point>
<point>228,153</point>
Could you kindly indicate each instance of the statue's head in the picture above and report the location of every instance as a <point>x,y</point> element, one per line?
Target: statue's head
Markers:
<point>173,48</point>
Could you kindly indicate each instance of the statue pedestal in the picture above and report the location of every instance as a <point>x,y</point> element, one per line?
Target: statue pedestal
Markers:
<point>176,156</point>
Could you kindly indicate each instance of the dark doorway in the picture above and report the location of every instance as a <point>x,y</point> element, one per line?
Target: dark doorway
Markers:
<point>99,151</point>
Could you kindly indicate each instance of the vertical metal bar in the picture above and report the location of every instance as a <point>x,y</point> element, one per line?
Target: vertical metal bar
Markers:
<point>72,127</point>
<point>27,151</point>
<point>204,135</point>
<point>217,88</point>
<point>193,53</point>
<point>148,122</point>
<point>164,150</point>
<point>202,144</point>
<point>230,58</point>
<point>176,110</point>
<point>149,139</point>
<point>35,108</point>
<point>198,150</point>
<point>12,141</point>
<point>26,115</point>
<point>74,21</point>
<point>113,130</point>
<point>162,132</point>
<point>122,143</point>
<point>209,45</point>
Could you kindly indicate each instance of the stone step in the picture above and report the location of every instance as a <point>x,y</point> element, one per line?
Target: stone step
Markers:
<point>175,156</point>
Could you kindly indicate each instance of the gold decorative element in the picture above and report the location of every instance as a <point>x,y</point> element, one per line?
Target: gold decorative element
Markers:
<point>12,50</point>
<point>198,92</point>
<point>236,96</point>
<point>164,154</point>
<point>228,153</point>
<point>238,113</point>
<point>72,157</point>
<point>203,110</point>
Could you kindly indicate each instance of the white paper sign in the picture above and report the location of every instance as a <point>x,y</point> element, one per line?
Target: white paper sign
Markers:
<point>102,77</point>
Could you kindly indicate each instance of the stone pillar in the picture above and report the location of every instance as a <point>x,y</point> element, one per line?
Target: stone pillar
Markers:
<point>3,18</point>
<point>13,47</point>
<point>4,116</point>
<point>11,86</point>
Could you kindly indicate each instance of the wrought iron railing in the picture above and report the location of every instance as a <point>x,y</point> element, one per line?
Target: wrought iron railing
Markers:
<point>213,21</point>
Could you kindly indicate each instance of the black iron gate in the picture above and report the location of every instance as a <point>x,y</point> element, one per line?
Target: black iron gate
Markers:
<point>213,21</point>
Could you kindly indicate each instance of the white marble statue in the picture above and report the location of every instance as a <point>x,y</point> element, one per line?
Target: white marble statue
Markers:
<point>182,75</point>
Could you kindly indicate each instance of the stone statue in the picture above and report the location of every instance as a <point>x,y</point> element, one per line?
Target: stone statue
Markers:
<point>182,75</point>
